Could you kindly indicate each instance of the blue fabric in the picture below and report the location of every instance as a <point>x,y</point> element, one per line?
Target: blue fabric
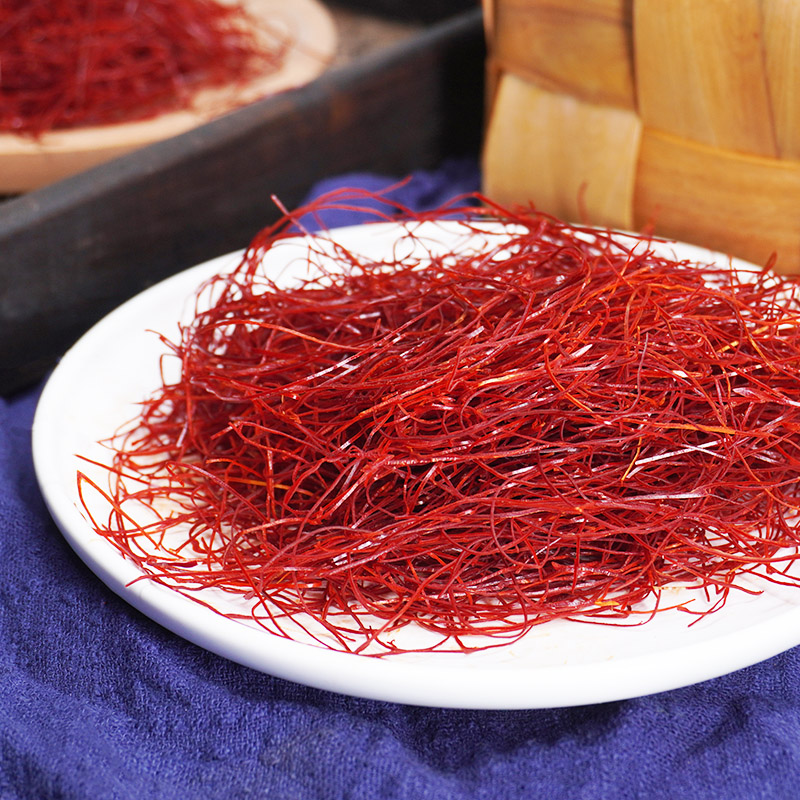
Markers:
<point>97,701</point>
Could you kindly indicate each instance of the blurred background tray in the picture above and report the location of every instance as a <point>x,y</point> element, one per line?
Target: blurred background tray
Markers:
<point>405,91</point>
<point>28,162</point>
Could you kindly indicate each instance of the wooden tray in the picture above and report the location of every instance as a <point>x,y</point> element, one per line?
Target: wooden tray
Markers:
<point>398,98</point>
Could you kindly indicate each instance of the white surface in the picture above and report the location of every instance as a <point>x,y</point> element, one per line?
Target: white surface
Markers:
<point>94,390</point>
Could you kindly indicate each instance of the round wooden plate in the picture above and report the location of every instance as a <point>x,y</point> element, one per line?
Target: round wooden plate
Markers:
<point>27,163</point>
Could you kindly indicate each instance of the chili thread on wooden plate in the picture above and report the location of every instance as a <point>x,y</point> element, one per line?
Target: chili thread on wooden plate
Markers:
<point>77,63</point>
<point>547,421</point>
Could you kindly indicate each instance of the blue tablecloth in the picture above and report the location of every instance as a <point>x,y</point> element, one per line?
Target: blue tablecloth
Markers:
<point>97,701</point>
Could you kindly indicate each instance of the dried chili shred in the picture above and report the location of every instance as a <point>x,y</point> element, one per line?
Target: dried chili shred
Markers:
<point>557,426</point>
<point>75,63</point>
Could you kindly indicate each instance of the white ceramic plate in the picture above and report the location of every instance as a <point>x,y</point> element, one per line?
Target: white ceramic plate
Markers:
<point>27,163</point>
<point>94,390</point>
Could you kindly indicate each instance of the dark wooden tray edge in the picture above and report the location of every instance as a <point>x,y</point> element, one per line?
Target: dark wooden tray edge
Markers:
<point>72,251</point>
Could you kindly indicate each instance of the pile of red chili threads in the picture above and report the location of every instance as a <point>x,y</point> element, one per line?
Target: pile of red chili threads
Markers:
<point>557,424</point>
<point>75,63</point>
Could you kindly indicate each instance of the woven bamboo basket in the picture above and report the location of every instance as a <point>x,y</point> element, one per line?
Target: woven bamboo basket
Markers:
<point>680,115</point>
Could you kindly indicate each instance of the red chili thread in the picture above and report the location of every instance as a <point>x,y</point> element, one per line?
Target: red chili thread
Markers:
<point>558,426</point>
<point>73,63</point>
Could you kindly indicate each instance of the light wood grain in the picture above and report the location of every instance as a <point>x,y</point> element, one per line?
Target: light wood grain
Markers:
<point>583,49</point>
<point>739,204</point>
<point>701,72</point>
<point>617,10</point>
<point>570,158</point>
<point>781,20</point>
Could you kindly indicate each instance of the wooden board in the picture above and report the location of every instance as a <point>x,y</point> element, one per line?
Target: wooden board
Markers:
<point>74,250</point>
